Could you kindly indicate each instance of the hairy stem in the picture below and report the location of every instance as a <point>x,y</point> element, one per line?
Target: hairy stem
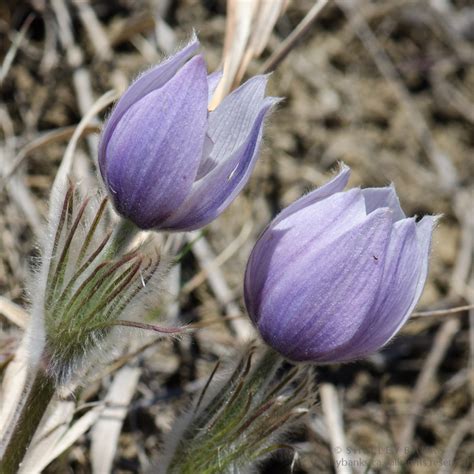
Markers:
<point>40,394</point>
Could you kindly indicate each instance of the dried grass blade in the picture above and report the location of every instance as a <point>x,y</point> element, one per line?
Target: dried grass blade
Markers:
<point>106,431</point>
<point>14,313</point>
<point>56,425</point>
<point>66,164</point>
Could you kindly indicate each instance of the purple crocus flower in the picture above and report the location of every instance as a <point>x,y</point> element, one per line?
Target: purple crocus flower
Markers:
<point>167,162</point>
<point>336,274</point>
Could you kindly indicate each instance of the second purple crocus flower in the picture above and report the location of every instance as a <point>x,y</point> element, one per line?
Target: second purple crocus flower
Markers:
<point>167,162</point>
<point>336,274</point>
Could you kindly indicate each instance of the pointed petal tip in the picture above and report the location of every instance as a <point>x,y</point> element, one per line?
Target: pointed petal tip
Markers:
<point>210,196</point>
<point>407,221</point>
<point>425,228</point>
<point>384,197</point>
<point>343,169</point>
<point>265,77</point>
<point>335,185</point>
<point>259,82</point>
<point>197,61</point>
<point>274,101</point>
<point>430,221</point>
<point>269,104</point>
<point>194,40</point>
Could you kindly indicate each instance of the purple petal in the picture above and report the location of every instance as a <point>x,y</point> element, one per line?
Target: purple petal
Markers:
<point>324,294</point>
<point>217,189</point>
<point>155,150</point>
<point>206,164</point>
<point>383,197</point>
<point>404,278</point>
<point>283,244</point>
<point>396,296</point>
<point>146,83</point>
<point>231,123</point>
<point>424,231</point>
<point>337,184</point>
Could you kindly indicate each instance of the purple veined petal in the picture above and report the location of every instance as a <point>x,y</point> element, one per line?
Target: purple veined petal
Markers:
<point>424,232</point>
<point>231,123</point>
<point>217,189</point>
<point>336,185</point>
<point>207,163</point>
<point>356,222</point>
<point>281,246</point>
<point>384,197</point>
<point>328,294</point>
<point>156,147</point>
<point>404,277</point>
<point>416,261</point>
<point>213,81</point>
<point>146,83</point>
<point>230,138</point>
<point>395,298</point>
<point>307,227</point>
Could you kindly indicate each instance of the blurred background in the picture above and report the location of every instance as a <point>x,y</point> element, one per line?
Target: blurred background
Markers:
<point>386,86</point>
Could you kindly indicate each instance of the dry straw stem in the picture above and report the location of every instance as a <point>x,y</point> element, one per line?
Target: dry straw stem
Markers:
<point>106,431</point>
<point>420,395</point>
<point>16,188</point>
<point>463,267</point>
<point>248,29</point>
<point>463,429</point>
<point>134,28</point>
<point>206,258</point>
<point>44,140</point>
<point>225,255</point>
<point>10,56</point>
<point>12,388</point>
<point>293,39</point>
<point>37,460</point>
<point>80,77</point>
<point>94,29</point>
<point>333,417</point>
<point>126,29</point>
<point>14,313</point>
<point>445,170</point>
<point>443,312</point>
<point>65,168</point>
<point>56,423</point>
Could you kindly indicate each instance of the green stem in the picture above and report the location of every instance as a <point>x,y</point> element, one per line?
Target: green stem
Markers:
<point>268,364</point>
<point>40,394</point>
<point>122,236</point>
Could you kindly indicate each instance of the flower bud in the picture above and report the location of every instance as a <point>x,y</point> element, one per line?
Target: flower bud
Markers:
<point>335,275</point>
<point>169,163</point>
<point>239,420</point>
